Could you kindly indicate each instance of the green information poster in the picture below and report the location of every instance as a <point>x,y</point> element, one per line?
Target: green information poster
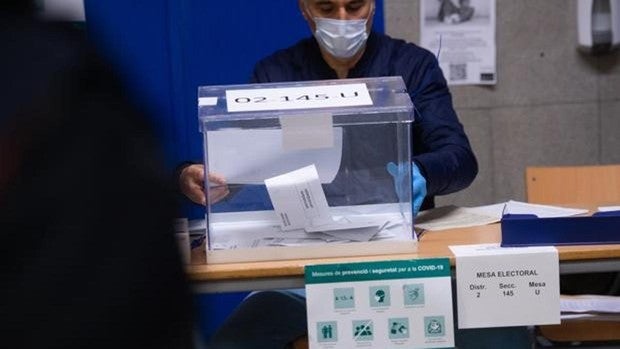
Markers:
<point>386,304</point>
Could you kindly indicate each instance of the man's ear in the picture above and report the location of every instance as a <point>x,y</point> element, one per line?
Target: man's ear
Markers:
<point>371,16</point>
<point>302,9</point>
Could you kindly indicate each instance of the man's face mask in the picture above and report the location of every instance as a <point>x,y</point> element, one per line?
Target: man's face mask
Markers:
<point>341,38</point>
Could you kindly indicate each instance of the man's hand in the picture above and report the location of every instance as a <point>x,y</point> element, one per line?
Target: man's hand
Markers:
<point>192,181</point>
<point>418,185</point>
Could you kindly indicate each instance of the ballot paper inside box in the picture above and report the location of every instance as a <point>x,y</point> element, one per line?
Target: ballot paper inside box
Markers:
<point>300,170</point>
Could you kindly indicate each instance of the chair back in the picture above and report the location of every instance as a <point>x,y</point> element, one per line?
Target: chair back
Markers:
<point>593,185</point>
<point>583,185</point>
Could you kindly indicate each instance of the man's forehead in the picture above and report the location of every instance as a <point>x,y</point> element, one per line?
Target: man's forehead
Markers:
<point>336,1</point>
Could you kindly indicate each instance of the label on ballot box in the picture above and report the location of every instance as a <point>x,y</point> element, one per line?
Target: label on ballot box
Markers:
<point>499,287</point>
<point>302,97</point>
<point>386,304</point>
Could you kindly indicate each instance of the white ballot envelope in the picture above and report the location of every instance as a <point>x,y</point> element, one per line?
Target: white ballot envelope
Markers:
<point>250,156</point>
<point>298,199</point>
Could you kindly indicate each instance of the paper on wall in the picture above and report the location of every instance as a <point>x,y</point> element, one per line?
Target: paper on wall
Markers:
<point>462,35</point>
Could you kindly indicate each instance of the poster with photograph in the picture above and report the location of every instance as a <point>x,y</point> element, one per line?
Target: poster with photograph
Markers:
<point>461,33</point>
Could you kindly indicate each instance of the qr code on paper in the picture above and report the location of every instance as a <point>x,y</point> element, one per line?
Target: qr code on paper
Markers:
<point>458,72</point>
<point>487,77</point>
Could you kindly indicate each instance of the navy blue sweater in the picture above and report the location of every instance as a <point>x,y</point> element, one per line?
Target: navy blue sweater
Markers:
<point>440,147</point>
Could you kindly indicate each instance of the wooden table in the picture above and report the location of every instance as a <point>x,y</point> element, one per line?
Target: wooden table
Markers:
<point>289,274</point>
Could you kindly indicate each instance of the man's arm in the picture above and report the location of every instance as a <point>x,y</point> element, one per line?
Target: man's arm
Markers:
<point>441,148</point>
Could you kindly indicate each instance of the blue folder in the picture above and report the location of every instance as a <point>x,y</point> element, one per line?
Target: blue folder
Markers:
<point>529,230</point>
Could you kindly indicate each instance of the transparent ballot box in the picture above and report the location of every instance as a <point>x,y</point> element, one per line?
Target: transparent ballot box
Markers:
<point>307,169</point>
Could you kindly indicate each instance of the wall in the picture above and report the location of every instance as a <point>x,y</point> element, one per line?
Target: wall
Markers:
<point>551,106</point>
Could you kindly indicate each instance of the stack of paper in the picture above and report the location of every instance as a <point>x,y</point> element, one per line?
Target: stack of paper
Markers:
<point>450,217</point>
<point>591,307</point>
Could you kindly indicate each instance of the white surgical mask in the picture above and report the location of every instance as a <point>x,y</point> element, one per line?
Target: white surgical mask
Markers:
<point>341,38</point>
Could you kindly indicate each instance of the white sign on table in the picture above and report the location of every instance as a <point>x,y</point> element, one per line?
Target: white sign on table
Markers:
<point>387,304</point>
<point>499,287</point>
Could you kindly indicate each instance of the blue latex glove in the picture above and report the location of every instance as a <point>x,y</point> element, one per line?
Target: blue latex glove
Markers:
<point>419,184</point>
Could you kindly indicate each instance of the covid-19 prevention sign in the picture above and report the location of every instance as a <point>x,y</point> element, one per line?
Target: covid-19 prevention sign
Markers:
<point>385,304</point>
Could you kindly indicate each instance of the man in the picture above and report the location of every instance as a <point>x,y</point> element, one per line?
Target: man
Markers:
<point>344,46</point>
